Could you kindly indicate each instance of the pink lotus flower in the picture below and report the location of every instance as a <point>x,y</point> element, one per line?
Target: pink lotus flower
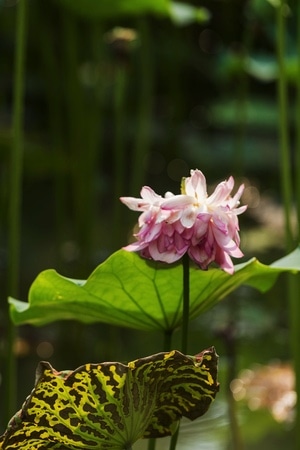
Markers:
<point>205,227</point>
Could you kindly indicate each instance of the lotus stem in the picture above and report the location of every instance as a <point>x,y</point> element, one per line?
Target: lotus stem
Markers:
<point>286,181</point>
<point>186,303</point>
<point>119,148</point>
<point>151,444</point>
<point>298,128</point>
<point>145,101</point>
<point>185,324</point>
<point>14,214</point>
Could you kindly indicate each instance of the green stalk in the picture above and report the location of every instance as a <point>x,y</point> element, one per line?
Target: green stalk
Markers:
<point>167,347</point>
<point>174,439</point>
<point>184,336</point>
<point>232,354</point>
<point>145,100</point>
<point>298,127</point>
<point>185,324</point>
<point>151,444</point>
<point>294,281</point>
<point>51,74</point>
<point>286,180</point>
<point>186,303</point>
<point>242,93</point>
<point>82,145</point>
<point>168,340</point>
<point>75,126</point>
<point>93,148</point>
<point>15,198</point>
<point>119,150</point>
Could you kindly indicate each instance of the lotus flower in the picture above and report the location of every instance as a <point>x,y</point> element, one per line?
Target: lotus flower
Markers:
<point>205,227</point>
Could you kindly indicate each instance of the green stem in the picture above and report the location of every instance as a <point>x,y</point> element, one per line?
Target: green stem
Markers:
<point>242,91</point>
<point>119,150</point>
<point>294,281</point>
<point>167,347</point>
<point>151,444</point>
<point>50,65</point>
<point>185,324</point>
<point>298,127</point>
<point>232,353</point>
<point>286,180</point>
<point>14,214</point>
<point>145,102</point>
<point>77,141</point>
<point>293,285</point>
<point>285,164</point>
<point>186,303</point>
<point>168,340</point>
<point>174,439</point>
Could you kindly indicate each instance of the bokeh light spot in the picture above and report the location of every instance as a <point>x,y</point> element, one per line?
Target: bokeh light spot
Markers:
<point>45,350</point>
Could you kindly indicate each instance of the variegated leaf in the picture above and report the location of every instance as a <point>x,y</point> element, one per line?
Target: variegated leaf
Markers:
<point>111,405</point>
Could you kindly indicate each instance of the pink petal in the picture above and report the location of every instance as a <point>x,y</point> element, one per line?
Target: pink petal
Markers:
<point>135,247</point>
<point>167,256</point>
<point>150,196</point>
<point>149,233</point>
<point>188,217</point>
<point>224,261</point>
<point>180,243</point>
<point>235,200</point>
<point>233,250</point>
<point>200,256</point>
<point>240,210</point>
<point>195,185</point>
<point>221,192</point>
<point>178,202</point>
<point>200,228</point>
<point>136,204</point>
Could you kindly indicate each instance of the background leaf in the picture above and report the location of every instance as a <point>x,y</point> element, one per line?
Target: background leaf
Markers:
<point>112,405</point>
<point>179,12</point>
<point>129,291</point>
<point>185,14</point>
<point>106,9</point>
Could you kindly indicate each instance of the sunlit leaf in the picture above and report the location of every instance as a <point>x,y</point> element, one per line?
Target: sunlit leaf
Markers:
<point>127,290</point>
<point>112,405</point>
<point>185,14</point>
<point>265,67</point>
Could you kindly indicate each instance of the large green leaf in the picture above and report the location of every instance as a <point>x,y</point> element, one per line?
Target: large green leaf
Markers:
<point>112,405</point>
<point>127,290</point>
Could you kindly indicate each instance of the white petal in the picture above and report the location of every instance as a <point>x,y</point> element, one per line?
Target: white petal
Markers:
<point>188,217</point>
<point>195,185</point>
<point>221,193</point>
<point>177,202</point>
<point>136,204</point>
<point>150,196</point>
